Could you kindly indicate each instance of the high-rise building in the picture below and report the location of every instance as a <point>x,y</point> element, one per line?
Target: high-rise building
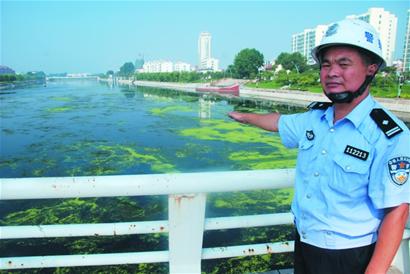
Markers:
<point>206,62</point>
<point>204,49</point>
<point>305,41</point>
<point>139,63</point>
<point>383,21</point>
<point>386,24</point>
<point>406,53</point>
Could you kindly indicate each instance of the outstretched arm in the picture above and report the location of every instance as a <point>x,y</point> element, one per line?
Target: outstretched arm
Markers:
<point>390,235</point>
<point>265,121</point>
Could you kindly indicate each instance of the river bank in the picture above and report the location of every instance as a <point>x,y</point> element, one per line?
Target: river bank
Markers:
<point>401,107</point>
<point>21,84</point>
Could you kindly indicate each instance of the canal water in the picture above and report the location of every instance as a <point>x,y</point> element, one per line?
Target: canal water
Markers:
<point>85,128</point>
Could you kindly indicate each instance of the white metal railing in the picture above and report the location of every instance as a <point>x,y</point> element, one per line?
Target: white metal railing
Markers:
<point>185,225</point>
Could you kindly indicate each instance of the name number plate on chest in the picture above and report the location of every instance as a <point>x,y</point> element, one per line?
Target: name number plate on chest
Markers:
<point>355,152</point>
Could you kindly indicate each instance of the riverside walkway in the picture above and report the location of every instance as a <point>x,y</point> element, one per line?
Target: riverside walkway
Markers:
<point>399,106</point>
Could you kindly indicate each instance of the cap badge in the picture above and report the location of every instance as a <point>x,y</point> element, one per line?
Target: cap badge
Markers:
<point>332,30</point>
<point>369,37</point>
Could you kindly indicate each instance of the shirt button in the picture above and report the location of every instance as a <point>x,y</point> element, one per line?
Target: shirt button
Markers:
<point>308,196</point>
<point>332,130</point>
<point>316,174</point>
<point>324,152</point>
<point>329,233</point>
<point>348,167</point>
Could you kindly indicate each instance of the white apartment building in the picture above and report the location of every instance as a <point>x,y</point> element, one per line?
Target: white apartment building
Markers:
<point>164,66</point>
<point>383,21</point>
<point>212,64</point>
<point>157,66</point>
<point>206,62</point>
<point>305,41</point>
<point>406,52</point>
<point>182,66</point>
<point>386,24</point>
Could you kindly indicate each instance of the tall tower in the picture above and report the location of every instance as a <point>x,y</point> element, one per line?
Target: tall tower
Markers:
<point>406,53</point>
<point>204,49</point>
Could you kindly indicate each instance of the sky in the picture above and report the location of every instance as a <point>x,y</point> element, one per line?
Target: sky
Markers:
<point>97,36</point>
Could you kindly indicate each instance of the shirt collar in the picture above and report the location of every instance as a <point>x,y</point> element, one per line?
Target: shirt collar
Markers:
<point>361,111</point>
<point>357,115</point>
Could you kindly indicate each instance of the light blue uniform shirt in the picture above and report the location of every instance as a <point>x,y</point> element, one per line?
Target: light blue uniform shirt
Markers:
<point>346,174</point>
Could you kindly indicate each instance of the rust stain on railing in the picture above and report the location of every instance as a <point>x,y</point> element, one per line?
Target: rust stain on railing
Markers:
<point>178,198</point>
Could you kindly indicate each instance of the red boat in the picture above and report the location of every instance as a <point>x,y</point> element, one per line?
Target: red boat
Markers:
<point>232,89</point>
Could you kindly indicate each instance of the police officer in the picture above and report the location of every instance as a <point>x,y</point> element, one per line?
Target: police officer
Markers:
<point>352,191</point>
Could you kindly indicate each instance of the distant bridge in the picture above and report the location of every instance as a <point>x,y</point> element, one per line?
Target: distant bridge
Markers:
<point>56,78</point>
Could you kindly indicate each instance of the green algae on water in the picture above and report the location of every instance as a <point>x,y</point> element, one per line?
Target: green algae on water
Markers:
<point>165,110</point>
<point>129,156</point>
<point>59,109</point>
<point>280,158</point>
<point>62,99</point>
<point>109,159</point>
<point>232,132</point>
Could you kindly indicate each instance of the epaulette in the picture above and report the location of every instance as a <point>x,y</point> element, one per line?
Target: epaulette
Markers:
<point>319,105</point>
<point>389,127</point>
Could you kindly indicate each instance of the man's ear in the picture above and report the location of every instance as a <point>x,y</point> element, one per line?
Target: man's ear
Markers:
<point>372,69</point>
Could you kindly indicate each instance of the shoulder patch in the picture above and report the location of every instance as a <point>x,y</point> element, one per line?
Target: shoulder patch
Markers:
<point>319,105</point>
<point>389,127</point>
<point>399,169</point>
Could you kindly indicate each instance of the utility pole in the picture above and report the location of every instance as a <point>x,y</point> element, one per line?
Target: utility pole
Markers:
<point>400,79</point>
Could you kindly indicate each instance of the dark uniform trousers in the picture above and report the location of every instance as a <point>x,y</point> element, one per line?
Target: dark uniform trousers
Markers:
<point>310,259</point>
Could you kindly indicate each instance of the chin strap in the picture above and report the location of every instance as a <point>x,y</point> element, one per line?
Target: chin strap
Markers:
<point>346,97</point>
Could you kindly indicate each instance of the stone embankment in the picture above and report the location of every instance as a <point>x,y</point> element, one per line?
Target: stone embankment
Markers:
<point>401,107</point>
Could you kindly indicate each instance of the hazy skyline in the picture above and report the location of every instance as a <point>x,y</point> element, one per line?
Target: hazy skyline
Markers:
<point>97,36</point>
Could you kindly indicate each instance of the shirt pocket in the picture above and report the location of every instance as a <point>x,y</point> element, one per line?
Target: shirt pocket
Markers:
<point>305,152</point>
<point>350,175</point>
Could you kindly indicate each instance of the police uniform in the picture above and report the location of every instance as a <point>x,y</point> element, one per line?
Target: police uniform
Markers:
<point>347,172</point>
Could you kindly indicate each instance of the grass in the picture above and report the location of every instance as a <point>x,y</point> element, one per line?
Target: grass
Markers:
<point>385,92</point>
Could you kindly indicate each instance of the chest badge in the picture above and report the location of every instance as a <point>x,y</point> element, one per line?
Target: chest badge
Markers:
<point>356,152</point>
<point>399,169</point>
<point>310,135</point>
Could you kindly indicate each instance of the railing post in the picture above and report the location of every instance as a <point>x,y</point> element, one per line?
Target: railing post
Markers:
<point>402,258</point>
<point>186,228</point>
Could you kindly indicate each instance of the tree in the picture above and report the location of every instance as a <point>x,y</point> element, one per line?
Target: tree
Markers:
<point>390,69</point>
<point>292,61</point>
<point>247,62</point>
<point>127,69</point>
<point>35,75</point>
<point>230,72</point>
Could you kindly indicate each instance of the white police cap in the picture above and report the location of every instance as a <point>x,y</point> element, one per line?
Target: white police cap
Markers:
<point>353,32</point>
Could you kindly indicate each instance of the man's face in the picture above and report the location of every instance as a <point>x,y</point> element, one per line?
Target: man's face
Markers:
<point>343,69</point>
